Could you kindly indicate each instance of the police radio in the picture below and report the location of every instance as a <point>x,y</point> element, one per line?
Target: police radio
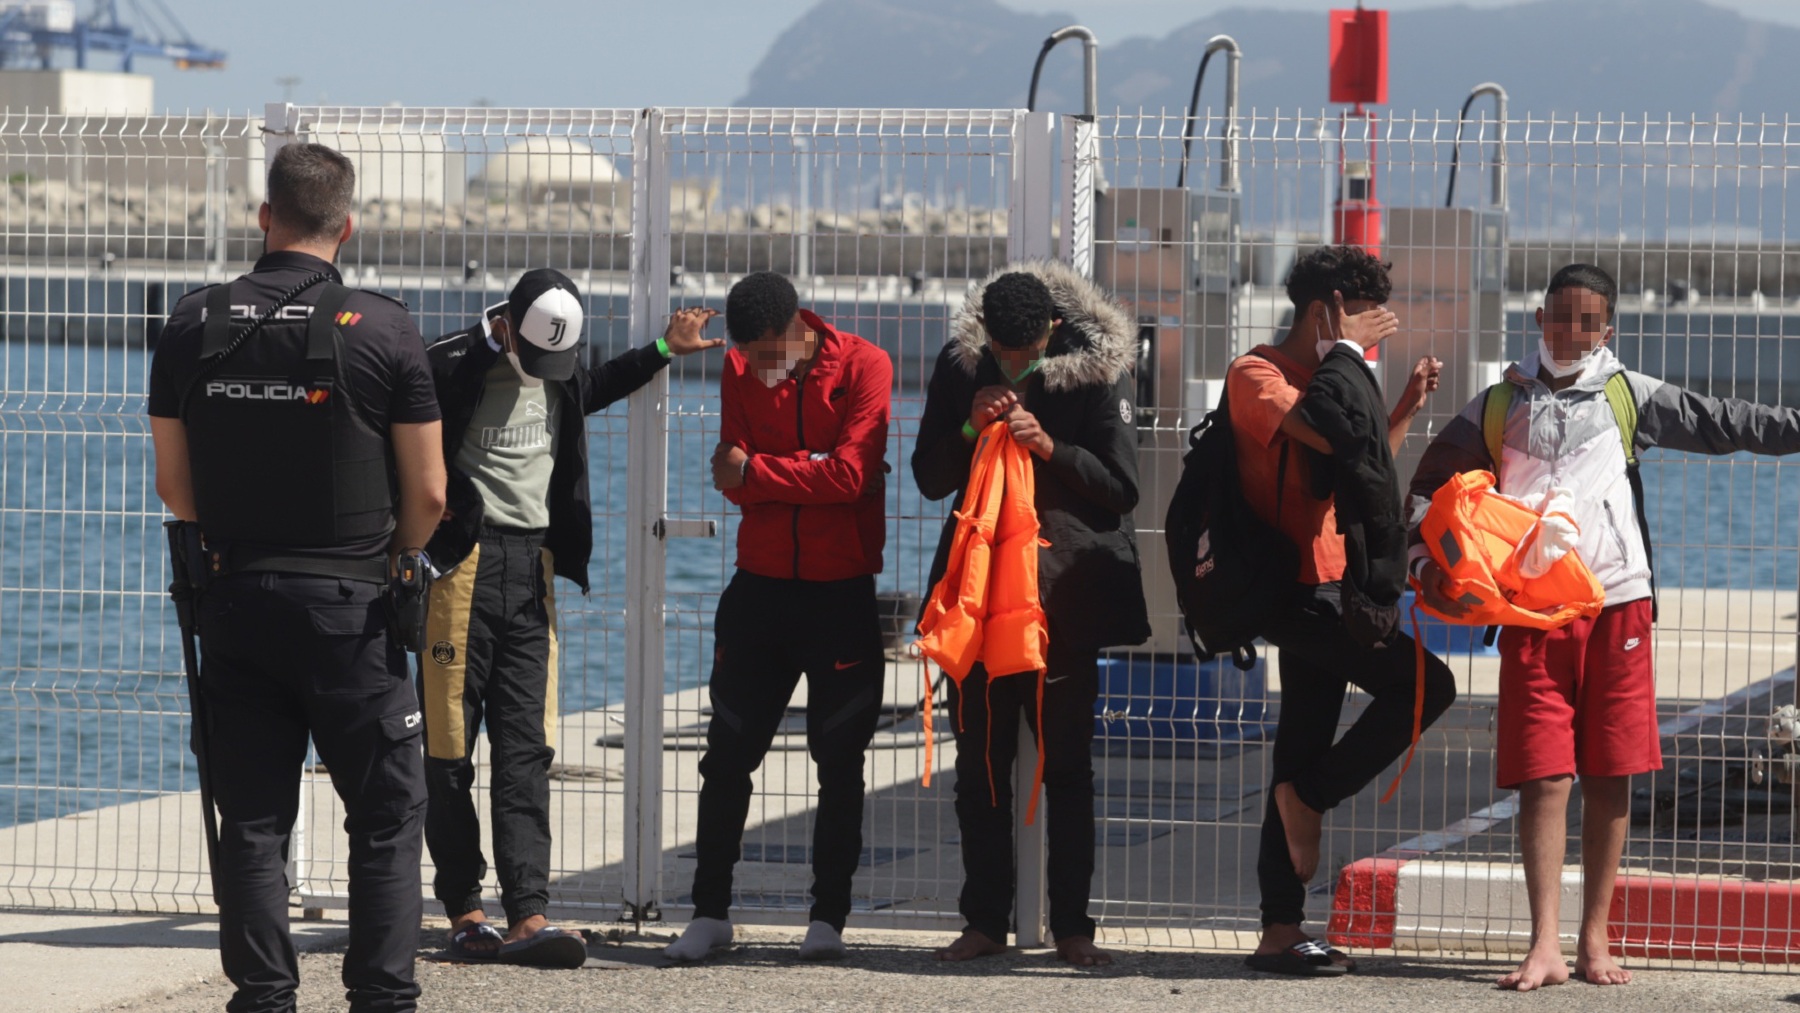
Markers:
<point>407,594</point>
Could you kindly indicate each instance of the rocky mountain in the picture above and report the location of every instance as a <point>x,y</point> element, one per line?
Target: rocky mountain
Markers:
<point>1683,57</point>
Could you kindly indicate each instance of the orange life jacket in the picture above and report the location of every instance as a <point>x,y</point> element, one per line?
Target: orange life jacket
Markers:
<point>1472,533</point>
<point>985,609</point>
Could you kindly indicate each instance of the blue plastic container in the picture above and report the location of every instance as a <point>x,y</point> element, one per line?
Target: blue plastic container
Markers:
<point>1170,705</point>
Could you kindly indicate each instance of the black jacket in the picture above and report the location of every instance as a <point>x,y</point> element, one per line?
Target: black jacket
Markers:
<point>1343,403</point>
<point>459,366</point>
<point>1088,578</point>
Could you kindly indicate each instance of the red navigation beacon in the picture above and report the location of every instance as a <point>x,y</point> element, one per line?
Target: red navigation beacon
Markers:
<point>1359,77</point>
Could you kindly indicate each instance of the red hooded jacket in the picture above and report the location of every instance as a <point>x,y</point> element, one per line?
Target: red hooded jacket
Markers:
<point>813,491</point>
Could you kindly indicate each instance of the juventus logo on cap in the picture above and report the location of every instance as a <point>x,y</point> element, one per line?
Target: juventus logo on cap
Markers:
<point>558,328</point>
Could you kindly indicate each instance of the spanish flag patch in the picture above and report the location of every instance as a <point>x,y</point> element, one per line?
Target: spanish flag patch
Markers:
<point>346,318</point>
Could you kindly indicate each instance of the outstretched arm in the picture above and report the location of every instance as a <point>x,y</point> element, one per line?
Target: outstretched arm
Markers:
<point>1680,419</point>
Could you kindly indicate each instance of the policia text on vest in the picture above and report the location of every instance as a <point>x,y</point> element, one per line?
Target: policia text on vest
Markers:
<point>301,502</point>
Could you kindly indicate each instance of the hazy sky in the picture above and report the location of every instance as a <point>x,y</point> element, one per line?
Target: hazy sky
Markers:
<point>571,52</point>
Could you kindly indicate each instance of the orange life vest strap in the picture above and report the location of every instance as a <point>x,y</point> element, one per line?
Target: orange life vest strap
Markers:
<point>930,705</point>
<point>1418,702</point>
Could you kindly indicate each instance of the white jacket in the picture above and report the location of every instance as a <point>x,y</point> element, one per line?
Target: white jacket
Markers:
<point>1570,439</point>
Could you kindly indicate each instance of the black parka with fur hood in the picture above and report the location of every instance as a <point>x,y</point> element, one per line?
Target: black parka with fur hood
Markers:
<point>1082,396</point>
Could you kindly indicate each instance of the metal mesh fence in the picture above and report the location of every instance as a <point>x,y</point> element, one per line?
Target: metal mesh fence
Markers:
<point>105,222</point>
<point>882,217</point>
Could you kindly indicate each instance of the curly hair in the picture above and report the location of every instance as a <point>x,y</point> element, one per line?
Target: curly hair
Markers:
<point>1016,308</point>
<point>1345,269</point>
<point>1587,276</point>
<point>758,304</point>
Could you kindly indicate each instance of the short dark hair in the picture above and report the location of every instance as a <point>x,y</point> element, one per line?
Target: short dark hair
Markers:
<point>311,190</point>
<point>1345,269</point>
<point>1589,277</point>
<point>760,303</point>
<point>1016,308</point>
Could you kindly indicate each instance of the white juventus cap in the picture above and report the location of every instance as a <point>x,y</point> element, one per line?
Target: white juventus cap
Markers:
<point>545,311</point>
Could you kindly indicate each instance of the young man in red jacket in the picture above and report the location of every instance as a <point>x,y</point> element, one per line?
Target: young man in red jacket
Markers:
<point>802,451</point>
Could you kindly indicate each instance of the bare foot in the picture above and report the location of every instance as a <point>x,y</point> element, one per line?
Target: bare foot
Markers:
<point>1544,966</point>
<point>1303,827</point>
<point>474,944</point>
<point>1081,951</point>
<point>970,946</point>
<point>525,928</point>
<point>1596,966</point>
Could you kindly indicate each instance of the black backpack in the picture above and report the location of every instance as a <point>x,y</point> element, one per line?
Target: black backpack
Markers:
<point>1232,568</point>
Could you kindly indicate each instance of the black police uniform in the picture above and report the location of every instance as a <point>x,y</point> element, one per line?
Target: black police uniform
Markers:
<point>288,441</point>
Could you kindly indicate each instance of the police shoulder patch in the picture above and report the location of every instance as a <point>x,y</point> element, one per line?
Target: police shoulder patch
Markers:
<point>443,652</point>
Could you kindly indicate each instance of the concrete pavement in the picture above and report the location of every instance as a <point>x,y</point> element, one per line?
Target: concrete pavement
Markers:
<point>893,970</point>
<point>79,962</point>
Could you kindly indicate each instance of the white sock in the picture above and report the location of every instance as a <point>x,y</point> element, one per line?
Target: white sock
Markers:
<point>703,936</point>
<point>822,943</point>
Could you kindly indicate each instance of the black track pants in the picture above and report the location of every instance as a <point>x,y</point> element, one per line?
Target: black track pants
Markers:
<point>1319,661</point>
<point>768,632</point>
<point>491,655</point>
<point>985,712</point>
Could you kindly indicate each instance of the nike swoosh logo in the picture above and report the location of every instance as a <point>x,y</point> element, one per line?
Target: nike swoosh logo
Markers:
<point>1048,680</point>
<point>841,665</point>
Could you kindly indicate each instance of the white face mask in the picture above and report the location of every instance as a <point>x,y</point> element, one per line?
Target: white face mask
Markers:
<point>1559,369</point>
<point>525,379</point>
<point>1324,345</point>
<point>772,375</point>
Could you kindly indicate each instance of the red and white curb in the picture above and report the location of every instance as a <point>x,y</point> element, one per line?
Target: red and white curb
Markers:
<point>1407,898</point>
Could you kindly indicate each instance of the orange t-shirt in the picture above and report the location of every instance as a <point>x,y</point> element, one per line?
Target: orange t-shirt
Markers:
<point>1261,393</point>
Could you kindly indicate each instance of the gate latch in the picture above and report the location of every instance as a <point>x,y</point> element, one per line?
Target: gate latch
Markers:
<point>684,527</point>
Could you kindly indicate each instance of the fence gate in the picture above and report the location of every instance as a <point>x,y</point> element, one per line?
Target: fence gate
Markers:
<point>879,217</point>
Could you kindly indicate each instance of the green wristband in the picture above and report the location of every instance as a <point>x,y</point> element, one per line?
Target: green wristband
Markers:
<point>969,433</point>
<point>662,345</point>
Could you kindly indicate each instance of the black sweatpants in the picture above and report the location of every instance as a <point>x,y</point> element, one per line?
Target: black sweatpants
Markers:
<point>492,655</point>
<point>1319,661</point>
<point>284,658</point>
<point>985,713</point>
<point>767,633</point>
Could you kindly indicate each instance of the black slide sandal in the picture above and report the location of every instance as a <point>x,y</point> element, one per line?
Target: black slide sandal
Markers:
<point>459,951</point>
<point>550,947</point>
<point>1305,959</point>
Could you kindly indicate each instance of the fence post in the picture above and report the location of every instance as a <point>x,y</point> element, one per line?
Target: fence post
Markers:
<point>1075,186</point>
<point>646,479</point>
<point>281,125</point>
<point>1032,210</point>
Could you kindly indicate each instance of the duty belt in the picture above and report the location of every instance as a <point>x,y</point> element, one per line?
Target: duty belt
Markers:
<point>223,562</point>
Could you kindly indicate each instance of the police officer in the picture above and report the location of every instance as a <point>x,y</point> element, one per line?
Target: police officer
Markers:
<point>294,420</point>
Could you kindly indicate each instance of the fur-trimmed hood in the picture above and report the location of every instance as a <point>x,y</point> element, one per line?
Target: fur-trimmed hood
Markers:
<point>1096,343</point>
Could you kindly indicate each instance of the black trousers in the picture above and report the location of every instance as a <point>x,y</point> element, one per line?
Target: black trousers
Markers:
<point>767,633</point>
<point>985,713</point>
<point>492,655</point>
<point>1319,661</point>
<point>286,657</point>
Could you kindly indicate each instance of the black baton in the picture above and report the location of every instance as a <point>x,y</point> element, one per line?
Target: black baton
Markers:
<point>186,558</point>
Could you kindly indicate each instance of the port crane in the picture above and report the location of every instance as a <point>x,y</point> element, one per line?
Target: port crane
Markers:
<point>33,32</point>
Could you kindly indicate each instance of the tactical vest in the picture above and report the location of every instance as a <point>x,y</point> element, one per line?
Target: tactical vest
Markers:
<point>279,455</point>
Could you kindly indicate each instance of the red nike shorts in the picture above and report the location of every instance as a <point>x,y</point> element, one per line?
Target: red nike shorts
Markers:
<point>1579,700</point>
